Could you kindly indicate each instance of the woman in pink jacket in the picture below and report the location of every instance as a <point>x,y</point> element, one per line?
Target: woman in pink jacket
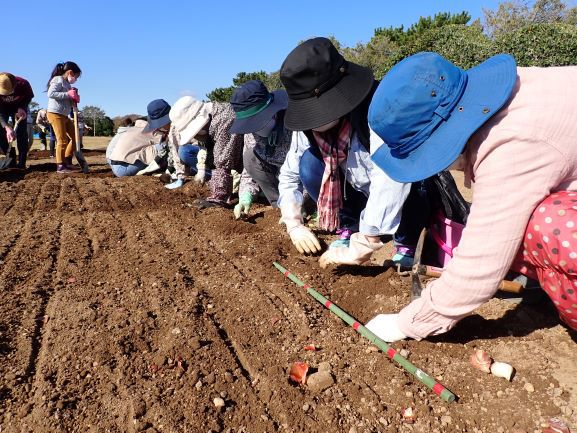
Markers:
<point>513,131</point>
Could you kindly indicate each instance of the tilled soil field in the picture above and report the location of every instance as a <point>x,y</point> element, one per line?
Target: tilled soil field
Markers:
<point>125,309</point>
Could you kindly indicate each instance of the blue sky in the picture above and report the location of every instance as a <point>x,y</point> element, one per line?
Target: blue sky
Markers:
<point>133,52</point>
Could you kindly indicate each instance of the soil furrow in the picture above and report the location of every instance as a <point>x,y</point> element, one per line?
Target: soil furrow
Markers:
<point>125,309</point>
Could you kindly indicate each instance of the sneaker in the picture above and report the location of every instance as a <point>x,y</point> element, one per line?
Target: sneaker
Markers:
<point>404,257</point>
<point>344,238</point>
<point>69,165</point>
<point>63,169</point>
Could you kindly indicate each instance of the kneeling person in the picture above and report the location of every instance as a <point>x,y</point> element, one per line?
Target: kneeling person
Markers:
<point>260,116</point>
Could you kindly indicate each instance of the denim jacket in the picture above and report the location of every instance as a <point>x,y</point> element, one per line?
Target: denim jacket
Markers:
<point>385,197</point>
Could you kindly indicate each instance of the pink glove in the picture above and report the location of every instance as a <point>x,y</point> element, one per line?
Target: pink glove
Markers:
<point>73,94</point>
<point>10,134</point>
<point>358,252</point>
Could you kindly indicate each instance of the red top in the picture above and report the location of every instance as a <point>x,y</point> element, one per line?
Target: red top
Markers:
<point>20,98</point>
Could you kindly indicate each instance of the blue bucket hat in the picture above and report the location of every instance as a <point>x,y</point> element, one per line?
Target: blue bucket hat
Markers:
<point>426,109</point>
<point>157,115</point>
<point>255,106</point>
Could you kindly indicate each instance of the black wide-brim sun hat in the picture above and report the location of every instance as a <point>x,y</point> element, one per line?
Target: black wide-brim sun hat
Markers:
<point>426,109</point>
<point>259,120</point>
<point>340,100</point>
<point>321,85</point>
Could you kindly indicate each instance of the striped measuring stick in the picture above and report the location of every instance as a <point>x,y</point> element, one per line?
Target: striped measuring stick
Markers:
<point>423,377</point>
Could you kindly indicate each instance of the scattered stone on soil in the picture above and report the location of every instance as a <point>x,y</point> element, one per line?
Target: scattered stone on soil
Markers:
<point>319,381</point>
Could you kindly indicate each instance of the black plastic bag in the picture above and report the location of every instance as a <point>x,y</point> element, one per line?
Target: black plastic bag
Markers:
<point>445,196</point>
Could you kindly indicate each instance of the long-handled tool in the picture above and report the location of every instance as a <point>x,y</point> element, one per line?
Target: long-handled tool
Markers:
<point>78,151</point>
<point>423,377</point>
<point>416,285</point>
<point>434,272</point>
<point>7,161</point>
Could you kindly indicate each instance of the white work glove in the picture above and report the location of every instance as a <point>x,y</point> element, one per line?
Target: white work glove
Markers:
<point>201,156</point>
<point>235,181</point>
<point>358,252</point>
<point>302,237</point>
<point>200,177</point>
<point>385,326</point>
<point>304,240</point>
<point>150,168</point>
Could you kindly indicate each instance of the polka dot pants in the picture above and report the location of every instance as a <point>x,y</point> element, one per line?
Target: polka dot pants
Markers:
<point>549,252</point>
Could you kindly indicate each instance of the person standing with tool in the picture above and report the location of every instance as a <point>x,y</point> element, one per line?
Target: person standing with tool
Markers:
<point>45,131</point>
<point>15,95</point>
<point>512,131</point>
<point>61,97</point>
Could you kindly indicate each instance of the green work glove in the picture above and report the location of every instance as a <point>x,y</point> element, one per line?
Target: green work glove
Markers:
<point>243,206</point>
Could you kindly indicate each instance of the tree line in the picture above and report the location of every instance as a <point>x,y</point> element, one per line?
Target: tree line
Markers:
<point>543,33</point>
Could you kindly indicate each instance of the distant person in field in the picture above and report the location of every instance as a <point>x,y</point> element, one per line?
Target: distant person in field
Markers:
<point>132,150</point>
<point>330,158</point>
<point>209,123</point>
<point>159,124</point>
<point>15,96</point>
<point>46,131</point>
<point>61,97</point>
<point>82,128</point>
<point>42,125</point>
<point>513,131</point>
<point>260,117</point>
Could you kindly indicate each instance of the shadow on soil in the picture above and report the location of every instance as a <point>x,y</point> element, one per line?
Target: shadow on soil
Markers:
<point>518,322</point>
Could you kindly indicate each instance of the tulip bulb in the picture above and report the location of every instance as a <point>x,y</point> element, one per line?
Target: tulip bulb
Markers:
<point>298,372</point>
<point>502,369</point>
<point>481,360</point>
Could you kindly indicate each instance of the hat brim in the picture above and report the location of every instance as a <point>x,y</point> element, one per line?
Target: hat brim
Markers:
<point>339,100</point>
<point>154,124</point>
<point>489,87</point>
<point>259,120</point>
<point>192,129</point>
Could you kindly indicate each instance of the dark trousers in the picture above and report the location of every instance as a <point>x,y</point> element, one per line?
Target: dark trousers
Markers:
<point>264,174</point>
<point>415,209</point>
<point>44,134</point>
<point>21,138</point>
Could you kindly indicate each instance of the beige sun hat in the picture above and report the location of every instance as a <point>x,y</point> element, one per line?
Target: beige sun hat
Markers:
<point>6,83</point>
<point>188,116</point>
